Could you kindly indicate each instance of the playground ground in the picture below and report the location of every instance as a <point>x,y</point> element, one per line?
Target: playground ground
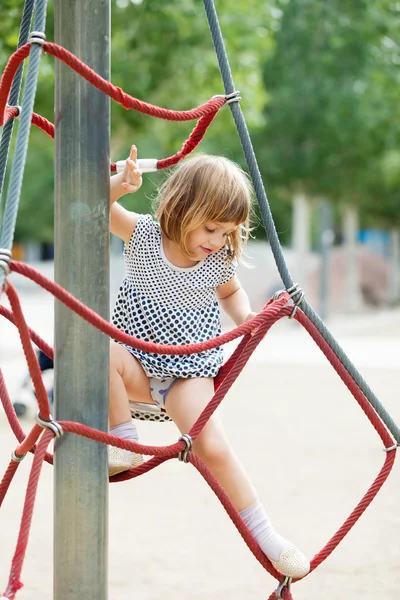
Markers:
<point>308,447</point>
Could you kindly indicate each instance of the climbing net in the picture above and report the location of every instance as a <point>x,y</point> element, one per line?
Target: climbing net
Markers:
<point>289,302</point>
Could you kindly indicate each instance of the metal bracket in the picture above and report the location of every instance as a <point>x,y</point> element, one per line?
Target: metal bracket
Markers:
<point>294,291</point>
<point>51,424</point>
<point>17,457</point>
<point>286,581</point>
<point>37,37</point>
<point>278,293</point>
<point>394,447</point>
<point>18,107</point>
<point>5,259</point>
<point>183,455</point>
<point>229,98</point>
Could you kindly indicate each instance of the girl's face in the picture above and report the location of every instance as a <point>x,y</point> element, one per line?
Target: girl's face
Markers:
<point>208,238</point>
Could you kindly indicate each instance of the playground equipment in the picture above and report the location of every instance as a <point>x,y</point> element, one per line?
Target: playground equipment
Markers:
<point>289,302</point>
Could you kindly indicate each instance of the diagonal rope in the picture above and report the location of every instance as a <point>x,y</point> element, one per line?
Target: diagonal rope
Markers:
<point>14,93</point>
<point>17,170</point>
<point>269,224</point>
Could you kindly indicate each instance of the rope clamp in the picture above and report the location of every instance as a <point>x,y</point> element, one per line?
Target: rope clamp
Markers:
<point>51,424</point>
<point>37,37</point>
<point>183,455</point>
<point>5,259</point>
<point>394,447</point>
<point>293,292</point>
<point>277,294</point>
<point>17,457</point>
<point>18,107</point>
<point>286,581</point>
<point>229,98</point>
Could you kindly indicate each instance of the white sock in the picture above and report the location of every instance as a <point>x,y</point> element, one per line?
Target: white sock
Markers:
<point>257,521</point>
<point>126,431</point>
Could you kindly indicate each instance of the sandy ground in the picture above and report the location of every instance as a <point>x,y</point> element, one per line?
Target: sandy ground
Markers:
<point>308,447</point>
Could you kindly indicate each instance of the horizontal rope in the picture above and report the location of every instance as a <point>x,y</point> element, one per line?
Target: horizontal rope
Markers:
<point>229,373</point>
<point>117,94</point>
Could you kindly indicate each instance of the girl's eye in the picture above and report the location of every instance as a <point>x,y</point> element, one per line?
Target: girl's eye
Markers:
<point>210,230</point>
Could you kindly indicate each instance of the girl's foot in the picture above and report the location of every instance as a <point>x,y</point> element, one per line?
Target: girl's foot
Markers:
<point>292,563</point>
<point>284,556</point>
<point>120,460</point>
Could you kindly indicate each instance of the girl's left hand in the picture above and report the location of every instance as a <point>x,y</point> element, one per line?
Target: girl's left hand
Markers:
<point>131,175</point>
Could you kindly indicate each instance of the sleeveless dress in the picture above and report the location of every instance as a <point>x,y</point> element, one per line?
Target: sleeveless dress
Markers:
<point>162,303</point>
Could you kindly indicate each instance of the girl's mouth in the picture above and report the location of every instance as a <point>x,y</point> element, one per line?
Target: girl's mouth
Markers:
<point>206,250</point>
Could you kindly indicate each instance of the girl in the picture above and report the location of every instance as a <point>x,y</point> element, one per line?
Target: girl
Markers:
<point>178,271</point>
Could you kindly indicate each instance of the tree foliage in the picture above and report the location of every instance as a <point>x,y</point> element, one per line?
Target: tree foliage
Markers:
<point>334,94</point>
<point>320,87</point>
<point>161,53</point>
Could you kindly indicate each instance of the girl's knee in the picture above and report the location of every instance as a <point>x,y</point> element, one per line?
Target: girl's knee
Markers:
<point>212,450</point>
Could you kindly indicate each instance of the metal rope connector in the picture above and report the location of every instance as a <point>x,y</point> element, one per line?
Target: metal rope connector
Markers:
<point>37,37</point>
<point>17,457</point>
<point>294,291</point>
<point>18,107</point>
<point>51,424</point>
<point>278,294</point>
<point>394,447</point>
<point>229,98</point>
<point>286,581</point>
<point>183,455</point>
<point>5,260</point>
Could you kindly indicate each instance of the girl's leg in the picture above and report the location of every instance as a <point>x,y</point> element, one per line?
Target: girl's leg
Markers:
<point>127,380</point>
<point>185,402</point>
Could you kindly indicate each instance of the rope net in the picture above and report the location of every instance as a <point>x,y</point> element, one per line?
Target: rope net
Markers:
<point>37,440</point>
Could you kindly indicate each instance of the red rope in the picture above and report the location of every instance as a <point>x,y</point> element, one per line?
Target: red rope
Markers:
<point>253,332</point>
<point>97,321</point>
<point>25,440</point>
<point>14,583</point>
<point>114,92</point>
<point>205,112</point>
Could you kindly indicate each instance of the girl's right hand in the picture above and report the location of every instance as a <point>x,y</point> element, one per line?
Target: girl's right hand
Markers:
<point>131,175</point>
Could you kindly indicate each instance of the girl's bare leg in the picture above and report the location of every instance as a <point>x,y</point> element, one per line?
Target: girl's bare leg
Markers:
<point>185,402</point>
<point>127,380</point>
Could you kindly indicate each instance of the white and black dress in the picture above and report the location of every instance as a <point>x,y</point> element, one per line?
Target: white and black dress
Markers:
<point>159,302</point>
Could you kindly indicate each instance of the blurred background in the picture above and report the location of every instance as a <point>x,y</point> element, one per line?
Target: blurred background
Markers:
<point>320,87</point>
<point>320,84</point>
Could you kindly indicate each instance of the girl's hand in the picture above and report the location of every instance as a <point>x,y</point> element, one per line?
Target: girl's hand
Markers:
<point>131,176</point>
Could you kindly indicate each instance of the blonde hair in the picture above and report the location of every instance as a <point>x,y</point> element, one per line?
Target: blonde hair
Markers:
<point>201,189</point>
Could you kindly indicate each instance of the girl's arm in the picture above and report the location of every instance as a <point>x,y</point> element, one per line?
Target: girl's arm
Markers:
<point>122,221</point>
<point>234,301</point>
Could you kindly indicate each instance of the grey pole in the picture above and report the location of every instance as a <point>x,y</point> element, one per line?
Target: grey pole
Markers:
<point>82,267</point>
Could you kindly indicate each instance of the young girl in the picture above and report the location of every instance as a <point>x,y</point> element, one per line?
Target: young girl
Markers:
<point>179,270</point>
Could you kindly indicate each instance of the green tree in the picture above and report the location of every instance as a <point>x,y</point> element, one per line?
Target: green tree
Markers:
<point>162,53</point>
<point>333,103</point>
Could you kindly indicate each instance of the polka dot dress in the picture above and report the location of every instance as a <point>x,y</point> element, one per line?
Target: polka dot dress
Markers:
<point>162,303</point>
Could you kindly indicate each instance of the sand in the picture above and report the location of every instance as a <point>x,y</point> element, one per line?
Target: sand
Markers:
<point>307,446</point>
